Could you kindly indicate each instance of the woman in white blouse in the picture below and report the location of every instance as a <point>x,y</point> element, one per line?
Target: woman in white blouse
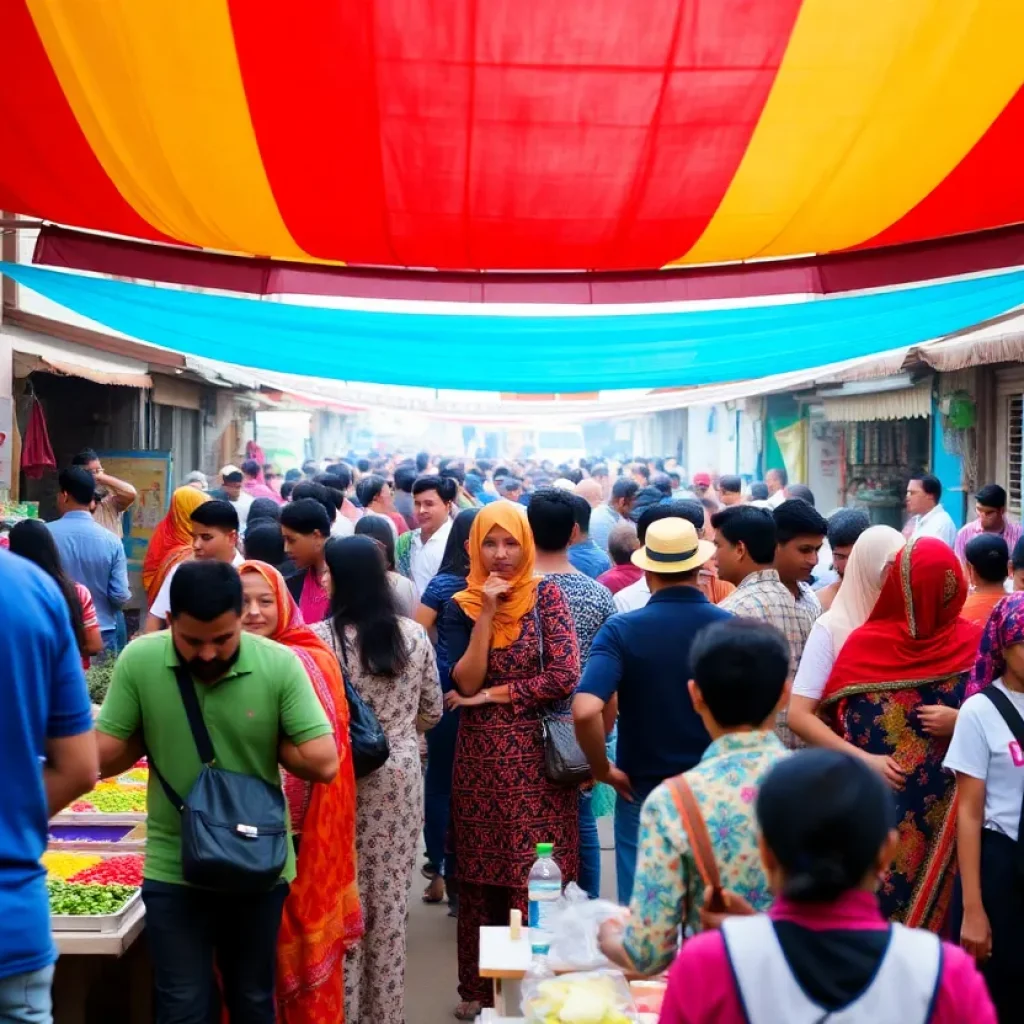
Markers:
<point>870,560</point>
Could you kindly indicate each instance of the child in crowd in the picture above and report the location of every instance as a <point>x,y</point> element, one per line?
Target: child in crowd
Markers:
<point>739,669</point>
<point>824,952</point>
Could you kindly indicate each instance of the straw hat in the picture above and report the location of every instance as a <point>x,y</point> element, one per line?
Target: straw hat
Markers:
<point>672,545</point>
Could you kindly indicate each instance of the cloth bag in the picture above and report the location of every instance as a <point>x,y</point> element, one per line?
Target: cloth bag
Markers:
<point>234,831</point>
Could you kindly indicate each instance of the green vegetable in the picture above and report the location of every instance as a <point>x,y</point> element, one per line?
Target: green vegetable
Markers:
<point>79,899</point>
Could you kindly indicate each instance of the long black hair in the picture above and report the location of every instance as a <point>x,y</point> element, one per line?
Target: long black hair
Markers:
<point>455,560</point>
<point>381,530</point>
<point>362,597</point>
<point>32,540</point>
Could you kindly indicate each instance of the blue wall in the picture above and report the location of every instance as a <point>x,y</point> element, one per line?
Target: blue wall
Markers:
<point>947,466</point>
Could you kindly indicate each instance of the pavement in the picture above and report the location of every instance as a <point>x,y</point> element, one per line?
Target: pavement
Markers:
<point>431,967</point>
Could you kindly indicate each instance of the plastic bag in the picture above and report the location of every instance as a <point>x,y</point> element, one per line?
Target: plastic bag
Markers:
<point>574,926</point>
<point>592,997</point>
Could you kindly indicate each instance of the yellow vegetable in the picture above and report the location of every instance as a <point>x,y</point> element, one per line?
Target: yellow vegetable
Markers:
<point>64,865</point>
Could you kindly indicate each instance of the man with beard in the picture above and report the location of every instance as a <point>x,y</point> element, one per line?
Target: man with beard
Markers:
<point>262,712</point>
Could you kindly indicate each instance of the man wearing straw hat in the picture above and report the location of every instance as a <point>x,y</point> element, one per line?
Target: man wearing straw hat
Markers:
<point>639,666</point>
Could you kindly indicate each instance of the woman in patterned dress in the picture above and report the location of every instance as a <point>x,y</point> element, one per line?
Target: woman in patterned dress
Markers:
<point>390,662</point>
<point>512,647</point>
<point>893,697</point>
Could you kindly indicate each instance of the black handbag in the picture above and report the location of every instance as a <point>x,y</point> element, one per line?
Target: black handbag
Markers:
<point>370,747</point>
<point>565,764</point>
<point>234,827</point>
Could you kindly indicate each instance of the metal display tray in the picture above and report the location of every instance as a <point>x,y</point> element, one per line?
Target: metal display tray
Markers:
<point>95,922</point>
<point>96,818</point>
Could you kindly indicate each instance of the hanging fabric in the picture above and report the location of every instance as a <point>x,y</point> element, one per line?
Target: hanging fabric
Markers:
<point>36,451</point>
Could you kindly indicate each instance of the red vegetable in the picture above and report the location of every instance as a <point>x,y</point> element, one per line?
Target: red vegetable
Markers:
<point>122,870</point>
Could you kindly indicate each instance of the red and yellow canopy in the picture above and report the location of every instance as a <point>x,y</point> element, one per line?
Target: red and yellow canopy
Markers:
<point>540,134</point>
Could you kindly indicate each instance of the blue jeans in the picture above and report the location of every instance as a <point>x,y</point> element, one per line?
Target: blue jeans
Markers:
<point>590,848</point>
<point>188,929</point>
<point>437,791</point>
<point>25,998</point>
<point>627,834</point>
<point>121,628</point>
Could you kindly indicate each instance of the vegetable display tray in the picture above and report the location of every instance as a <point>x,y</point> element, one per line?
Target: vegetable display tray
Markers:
<point>95,922</point>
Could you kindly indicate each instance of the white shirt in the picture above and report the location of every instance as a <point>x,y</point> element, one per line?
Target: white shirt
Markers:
<point>161,606</point>
<point>984,748</point>
<point>815,664</point>
<point>342,526</point>
<point>425,559</point>
<point>242,508</point>
<point>636,595</point>
<point>776,499</point>
<point>936,523</point>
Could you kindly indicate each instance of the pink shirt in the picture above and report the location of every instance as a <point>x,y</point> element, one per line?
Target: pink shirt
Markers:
<point>701,989</point>
<point>314,602</point>
<point>255,489</point>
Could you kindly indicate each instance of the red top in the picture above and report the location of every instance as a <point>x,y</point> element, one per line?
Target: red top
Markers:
<point>618,577</point>
<point>702,990</point>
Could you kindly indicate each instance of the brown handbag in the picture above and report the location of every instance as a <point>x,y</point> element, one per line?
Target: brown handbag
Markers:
<point>700,841</point>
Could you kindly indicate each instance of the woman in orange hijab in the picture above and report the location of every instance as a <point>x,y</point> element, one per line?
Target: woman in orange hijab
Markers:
<point>512,647</point>
<point>171,542</point>
<point>322,918</point>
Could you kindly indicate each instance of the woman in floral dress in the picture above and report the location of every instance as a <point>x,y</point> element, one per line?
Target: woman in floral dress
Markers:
<point>512,647</point>
<point>390,662</point>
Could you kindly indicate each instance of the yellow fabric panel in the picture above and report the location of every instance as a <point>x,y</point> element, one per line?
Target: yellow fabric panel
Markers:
<point>156,87</point>
<point>875,103</point>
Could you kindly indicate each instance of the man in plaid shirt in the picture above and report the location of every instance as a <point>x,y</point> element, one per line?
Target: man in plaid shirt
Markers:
<point>770,557</point>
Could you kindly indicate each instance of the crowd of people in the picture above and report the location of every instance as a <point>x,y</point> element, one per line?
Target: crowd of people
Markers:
<point>386,642</point>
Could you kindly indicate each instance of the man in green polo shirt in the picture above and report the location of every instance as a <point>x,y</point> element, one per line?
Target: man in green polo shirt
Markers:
<point>261,712</point>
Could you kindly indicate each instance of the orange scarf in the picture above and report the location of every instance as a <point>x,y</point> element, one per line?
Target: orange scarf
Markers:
<point>522,594</point>
<point>322,916</point>
<point>171,542</point>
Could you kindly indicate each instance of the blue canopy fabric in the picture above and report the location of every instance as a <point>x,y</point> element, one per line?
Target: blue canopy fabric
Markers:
<point>530,353</point>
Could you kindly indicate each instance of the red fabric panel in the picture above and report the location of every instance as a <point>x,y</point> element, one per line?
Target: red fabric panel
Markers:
<point>47,168</point>
<point>505,133</point>
<point>822,275</point>
<point>983,191</point>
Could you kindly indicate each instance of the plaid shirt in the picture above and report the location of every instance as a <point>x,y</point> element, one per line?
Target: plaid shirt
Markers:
<point>762,595</point>
<point>1011,534</point>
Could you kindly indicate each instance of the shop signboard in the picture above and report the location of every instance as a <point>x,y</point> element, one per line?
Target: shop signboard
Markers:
<point>150,474</point>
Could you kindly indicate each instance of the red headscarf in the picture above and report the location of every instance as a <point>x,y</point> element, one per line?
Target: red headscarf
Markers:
<point>915,632</point>
<point>322,916</point>
<point>171,541</point>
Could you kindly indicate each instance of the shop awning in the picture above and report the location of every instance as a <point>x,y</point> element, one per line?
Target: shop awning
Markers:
<point>34,352</point>
<point>906,403</point>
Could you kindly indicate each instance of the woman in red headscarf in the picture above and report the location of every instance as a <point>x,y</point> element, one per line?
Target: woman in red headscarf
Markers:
<point>322,916</point>
<point>892,696</point>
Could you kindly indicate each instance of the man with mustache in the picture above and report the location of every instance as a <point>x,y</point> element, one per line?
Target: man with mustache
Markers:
<point>261,711</point>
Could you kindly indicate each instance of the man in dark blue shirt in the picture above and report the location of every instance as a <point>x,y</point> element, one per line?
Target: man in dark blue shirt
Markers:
<point>639,667</point>
<point>47,759</point>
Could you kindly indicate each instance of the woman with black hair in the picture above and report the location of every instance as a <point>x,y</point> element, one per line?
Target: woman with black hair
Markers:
<point>380,529</point>
<point>390,662</point>
<point>824,953</point>
<point>32,540</point>
<point>450,579</point>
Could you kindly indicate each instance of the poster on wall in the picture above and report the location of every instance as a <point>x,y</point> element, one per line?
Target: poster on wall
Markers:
<point>150,474</point>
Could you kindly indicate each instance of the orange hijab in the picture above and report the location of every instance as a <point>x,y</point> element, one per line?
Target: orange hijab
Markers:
<point>171,542</point>
<point>522,595</point>
<point>322,916</point>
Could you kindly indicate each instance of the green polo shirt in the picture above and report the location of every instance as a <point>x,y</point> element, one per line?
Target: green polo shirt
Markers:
<point>266,696</point>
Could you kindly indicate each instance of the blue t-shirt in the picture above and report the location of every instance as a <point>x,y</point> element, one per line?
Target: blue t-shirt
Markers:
<point>644,656</point>
<point>42,696</point>
<point>588,558</point>
<point>440,590</point>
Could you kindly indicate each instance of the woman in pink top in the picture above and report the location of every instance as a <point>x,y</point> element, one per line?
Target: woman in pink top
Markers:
<point>824,953</point>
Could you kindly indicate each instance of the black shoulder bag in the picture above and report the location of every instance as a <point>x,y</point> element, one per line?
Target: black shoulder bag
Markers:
<point>370,747</point>
<point>565,764</point>
<point>234,831</point>
<point>1011,716</point>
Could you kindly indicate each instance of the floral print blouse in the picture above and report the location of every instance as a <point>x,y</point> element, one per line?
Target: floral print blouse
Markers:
<point>668,891</point>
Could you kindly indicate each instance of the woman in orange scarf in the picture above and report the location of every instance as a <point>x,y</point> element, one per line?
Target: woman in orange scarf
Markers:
<point>322,916</point>
<point>171,542</point>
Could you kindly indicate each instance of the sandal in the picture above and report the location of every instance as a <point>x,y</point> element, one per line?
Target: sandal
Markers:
<point>434,893</point>
<point>467,1010</point>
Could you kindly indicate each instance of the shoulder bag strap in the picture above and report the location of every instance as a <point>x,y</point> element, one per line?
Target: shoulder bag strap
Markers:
<point>1011,716</point>
<point>700,841</point>
<point>204,745</point>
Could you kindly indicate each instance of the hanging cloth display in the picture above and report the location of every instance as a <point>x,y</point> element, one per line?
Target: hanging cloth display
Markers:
<point>36,452</point>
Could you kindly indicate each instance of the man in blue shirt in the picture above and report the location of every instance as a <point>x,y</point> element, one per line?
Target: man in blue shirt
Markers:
<point>639,666</point>
<point>90,554</point>
<point>47,759</point>
<point>584,554</point>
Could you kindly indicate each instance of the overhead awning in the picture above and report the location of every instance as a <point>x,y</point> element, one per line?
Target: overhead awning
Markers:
<point>40,352</point>
<point>907,403</point>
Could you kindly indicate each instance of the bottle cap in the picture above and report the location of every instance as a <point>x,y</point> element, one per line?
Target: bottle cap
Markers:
<point>545,849</point>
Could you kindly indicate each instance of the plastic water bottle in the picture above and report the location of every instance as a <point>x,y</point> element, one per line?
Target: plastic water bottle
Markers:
<point>544,888</point>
